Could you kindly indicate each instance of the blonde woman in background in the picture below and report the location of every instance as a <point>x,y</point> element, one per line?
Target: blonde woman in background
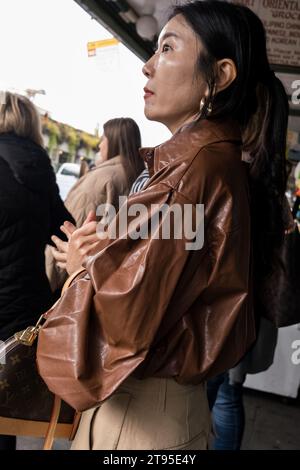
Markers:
<point>30,212</point>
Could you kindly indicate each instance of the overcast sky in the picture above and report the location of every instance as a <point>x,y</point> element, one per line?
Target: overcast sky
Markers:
<point>43,45</point>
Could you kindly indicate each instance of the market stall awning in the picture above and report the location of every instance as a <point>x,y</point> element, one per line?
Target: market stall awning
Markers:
<point>133,22</point>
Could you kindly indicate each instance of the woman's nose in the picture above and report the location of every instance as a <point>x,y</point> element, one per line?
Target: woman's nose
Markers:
<point>146,71</point>
<point>148,67</point>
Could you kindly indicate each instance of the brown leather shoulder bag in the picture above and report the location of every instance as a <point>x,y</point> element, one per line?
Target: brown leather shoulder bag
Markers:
<point>27,407</point>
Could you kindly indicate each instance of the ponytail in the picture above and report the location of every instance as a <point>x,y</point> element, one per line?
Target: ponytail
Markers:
<point>265,135</point>
<point>264,138</point>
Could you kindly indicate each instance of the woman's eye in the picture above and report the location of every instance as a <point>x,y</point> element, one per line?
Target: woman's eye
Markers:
<point>166,48</point>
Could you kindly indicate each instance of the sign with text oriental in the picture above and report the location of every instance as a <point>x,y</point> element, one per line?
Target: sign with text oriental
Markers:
<point>281,19</point>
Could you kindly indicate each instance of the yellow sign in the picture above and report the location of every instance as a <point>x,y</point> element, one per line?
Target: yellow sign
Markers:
<point>92,46</point>
<point>105,54</point>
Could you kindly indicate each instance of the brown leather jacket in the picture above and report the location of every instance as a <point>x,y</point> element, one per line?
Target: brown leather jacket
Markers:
<point>188,312</point>
<point>156,308</point>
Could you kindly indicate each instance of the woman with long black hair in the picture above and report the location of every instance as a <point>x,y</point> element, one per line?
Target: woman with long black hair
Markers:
<point>169,318</point>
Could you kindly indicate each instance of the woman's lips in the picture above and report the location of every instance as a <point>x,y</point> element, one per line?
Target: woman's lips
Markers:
<point>148,93</point>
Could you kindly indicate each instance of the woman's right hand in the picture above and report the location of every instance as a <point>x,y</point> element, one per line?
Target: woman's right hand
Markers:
<point>81,243</point>
<point>60,253</point>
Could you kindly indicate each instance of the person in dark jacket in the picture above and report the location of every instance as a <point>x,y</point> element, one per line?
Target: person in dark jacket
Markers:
<point>30,212</point>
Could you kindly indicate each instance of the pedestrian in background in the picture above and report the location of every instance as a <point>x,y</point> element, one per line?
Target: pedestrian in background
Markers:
<point>117,167</point>
<point>30,212</point>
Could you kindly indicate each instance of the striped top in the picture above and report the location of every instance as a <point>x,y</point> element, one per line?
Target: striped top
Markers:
<point>140,182</point>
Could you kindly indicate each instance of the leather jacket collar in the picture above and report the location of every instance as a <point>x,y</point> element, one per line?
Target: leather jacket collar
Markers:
<point>199,134</point>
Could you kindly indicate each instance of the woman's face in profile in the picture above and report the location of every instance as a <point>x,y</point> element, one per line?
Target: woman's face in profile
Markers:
<point>103,149</point>
<point>174,88</point>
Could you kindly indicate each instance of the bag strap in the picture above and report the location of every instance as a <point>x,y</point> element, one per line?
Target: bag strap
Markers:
<point>76,422</point>
<point>50,434</point>
<point>71,279</point>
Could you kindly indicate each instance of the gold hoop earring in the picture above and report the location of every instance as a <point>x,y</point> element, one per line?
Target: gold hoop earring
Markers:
<point>202,105</point>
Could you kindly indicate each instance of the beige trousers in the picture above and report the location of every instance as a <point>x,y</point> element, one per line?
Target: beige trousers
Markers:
<point>151,414</point>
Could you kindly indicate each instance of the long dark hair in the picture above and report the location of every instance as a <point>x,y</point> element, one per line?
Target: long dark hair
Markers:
<point>124,139</point>
<point>256,99</point>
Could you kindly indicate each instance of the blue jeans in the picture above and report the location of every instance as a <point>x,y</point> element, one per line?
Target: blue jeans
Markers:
<point>228,415</point>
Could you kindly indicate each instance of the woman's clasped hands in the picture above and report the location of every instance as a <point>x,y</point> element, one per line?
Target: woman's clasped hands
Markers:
<point>70,255</point>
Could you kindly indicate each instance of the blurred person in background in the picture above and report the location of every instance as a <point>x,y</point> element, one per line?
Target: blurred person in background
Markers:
<point>84,166</point>
<point>30,212</point>
<point>296,205</point>
<point>117,167</point>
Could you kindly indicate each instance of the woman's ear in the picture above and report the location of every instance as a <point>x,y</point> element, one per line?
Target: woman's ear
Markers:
<point>226,74</point>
